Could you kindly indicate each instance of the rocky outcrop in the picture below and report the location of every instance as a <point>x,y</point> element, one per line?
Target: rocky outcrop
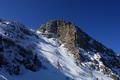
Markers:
<point>65,32</point>
<point>18,46</point>
<point>13,52</point>
<point>75,39</point>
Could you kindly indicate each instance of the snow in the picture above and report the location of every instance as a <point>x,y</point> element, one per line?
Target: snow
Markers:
<point>2,77</point>
<point>38,32</point>
<point>58,62</point>
<point>1,31</point>
<point>58,57</point>
<point>97,56</point>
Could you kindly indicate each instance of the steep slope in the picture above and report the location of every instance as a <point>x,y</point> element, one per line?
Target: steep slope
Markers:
<point>84,49</point>
<point>59,57</point>
<point>19,58</point>
<point>58,50</point>
<point>14,50</point>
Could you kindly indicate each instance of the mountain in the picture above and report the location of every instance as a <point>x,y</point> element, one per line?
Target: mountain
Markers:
<point>57,50</point>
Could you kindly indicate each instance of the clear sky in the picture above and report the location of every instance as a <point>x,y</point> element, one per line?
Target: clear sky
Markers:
<point>99,18</point>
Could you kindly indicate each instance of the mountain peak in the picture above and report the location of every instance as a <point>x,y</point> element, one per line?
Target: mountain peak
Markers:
<point>54,26</point>
<point>59,47</point>
<point>69,34</point>
<point>77,42</point>
<point>64,31</point>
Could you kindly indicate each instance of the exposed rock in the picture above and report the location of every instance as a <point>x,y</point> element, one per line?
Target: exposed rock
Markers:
<point>18,50</point>
<point>13,52</point>
<point>65,32</point>
<point>74,39</point>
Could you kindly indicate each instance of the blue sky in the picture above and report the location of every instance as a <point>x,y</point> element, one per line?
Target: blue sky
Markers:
<point>99,18</point>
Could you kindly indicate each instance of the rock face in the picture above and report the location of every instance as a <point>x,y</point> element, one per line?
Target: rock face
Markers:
<point>65,32</point>
<point>57,47</point>
<point>75,39</point>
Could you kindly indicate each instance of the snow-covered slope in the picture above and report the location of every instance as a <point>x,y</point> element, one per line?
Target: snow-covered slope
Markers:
<point>27,55</point>
<point>59,57</point>
<point>19,55</point>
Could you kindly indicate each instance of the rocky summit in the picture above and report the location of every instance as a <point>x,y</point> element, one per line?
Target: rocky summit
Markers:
<point>57,50</point>
<point>74,39</point>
